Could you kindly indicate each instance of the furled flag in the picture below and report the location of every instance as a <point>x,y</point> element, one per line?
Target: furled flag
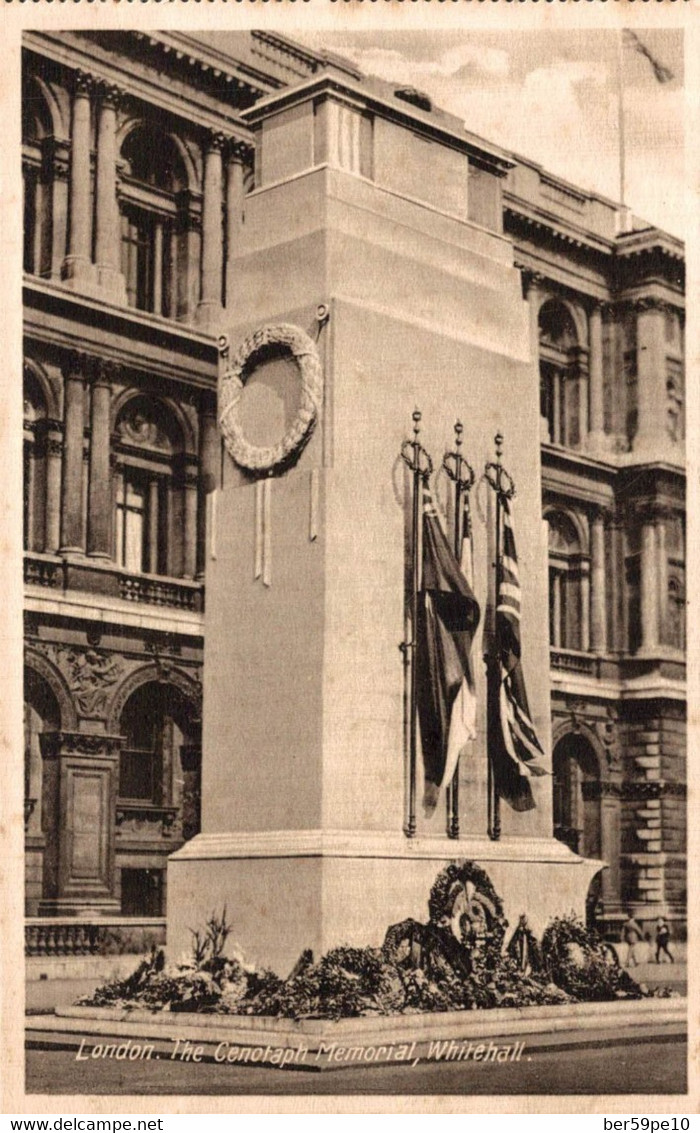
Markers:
<point>448,615</point>
<point>661,73</point>
<point>514,748</point>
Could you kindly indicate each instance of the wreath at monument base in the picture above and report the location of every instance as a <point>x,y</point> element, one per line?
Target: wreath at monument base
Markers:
<point>430,967</point>
<point>267,341</point>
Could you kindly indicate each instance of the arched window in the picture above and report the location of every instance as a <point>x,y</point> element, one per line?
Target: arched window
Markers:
<point>41,714</point>
<point>559,393</point>
<point>675,621</point>
<point>34,463</point>
<point>576,806</point>
<point>566,568</point>
<point>36,126</point>
<point>156,722</point>
<point>148,491</point>
<point>152,175</point>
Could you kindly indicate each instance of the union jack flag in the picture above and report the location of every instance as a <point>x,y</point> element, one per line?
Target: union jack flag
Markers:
<point>514,749</point>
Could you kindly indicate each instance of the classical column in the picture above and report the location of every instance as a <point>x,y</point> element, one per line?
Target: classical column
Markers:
<point>662,516</point>
<point>649,584</point>
<point>72,531</point>
<point>235,196</point>
<point>210,469</point>
<point>77,265</point>
<point>598,594</point>
<point>54,455</point>
<point>56,156</point>
<point>117,469</point>
<point>618,582</point>
<point>556,583</point>
<point>100,485</point>
<point>191,488</point>
<point>585,607</point>
<point>651,378</point>
<point>188,240</point>
<point>595,378</point>
<point>557,399</point>
<point>209,309</point>
<point>158,267</point>
<point>107,223</point>
<point>153,525</point>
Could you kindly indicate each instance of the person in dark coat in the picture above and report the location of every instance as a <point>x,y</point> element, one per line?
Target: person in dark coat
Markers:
<point>663,937</point>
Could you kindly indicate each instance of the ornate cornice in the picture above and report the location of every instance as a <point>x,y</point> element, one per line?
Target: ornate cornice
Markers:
<point>240,152</point>
<point>75,366</point>
<point>58,744</point>
<point>215,141</point>
<point>109,94</point>
<point>650,303</point>
<point>103,372</point>
<point>632,790</point>
<point>83,84</point>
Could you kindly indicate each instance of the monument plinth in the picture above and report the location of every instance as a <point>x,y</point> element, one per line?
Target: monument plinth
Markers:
<point>371,277</point>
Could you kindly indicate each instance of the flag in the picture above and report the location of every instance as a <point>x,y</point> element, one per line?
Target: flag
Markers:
<point>662,74</point>
<point>448,615</point>
<point>514,749</point>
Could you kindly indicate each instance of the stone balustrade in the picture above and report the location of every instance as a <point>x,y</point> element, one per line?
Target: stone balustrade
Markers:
<point>160,591</point>
<point>572,661</point>
<point>43,570</point>
<point>112,936</point>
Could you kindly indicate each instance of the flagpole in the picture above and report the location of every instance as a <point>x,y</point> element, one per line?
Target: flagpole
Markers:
<point>621,119</point>
<point>494,828</point>
<point>420,465</point>
<point>452,794</point>
<point>462,474</point>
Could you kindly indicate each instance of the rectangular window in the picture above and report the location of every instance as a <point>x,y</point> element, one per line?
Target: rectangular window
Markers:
<point>137,774</point>
<point>147,254</point>
<point>132,500</point>
<point>31,205</point>
<point>142,892</point>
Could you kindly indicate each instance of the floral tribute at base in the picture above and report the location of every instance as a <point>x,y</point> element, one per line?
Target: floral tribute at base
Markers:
<point>457,961</point>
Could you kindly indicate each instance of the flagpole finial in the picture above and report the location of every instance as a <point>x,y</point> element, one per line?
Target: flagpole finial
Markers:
<point>417,415</point>
<point>498,440</point>
<point>459,429</point>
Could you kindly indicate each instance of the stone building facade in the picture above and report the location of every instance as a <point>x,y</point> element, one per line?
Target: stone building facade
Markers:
<point>136,167</point>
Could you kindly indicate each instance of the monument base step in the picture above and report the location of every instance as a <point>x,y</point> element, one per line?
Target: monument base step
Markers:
<point>286,891</point>
<point>501,1034</point>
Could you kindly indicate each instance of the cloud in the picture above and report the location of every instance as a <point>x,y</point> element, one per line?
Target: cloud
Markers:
<point>553,99</point>
<point>395,66</point>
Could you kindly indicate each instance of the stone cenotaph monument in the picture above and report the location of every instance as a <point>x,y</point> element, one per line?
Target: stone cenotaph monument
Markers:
<point>372,277</point>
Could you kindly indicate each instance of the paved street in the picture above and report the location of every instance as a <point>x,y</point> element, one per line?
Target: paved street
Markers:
<point>651,1064</point>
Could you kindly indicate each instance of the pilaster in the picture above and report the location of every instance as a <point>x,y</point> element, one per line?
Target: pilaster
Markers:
<point>72,527</point>
<point>81,771</point>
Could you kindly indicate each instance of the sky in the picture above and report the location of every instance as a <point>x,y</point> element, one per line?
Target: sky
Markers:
<point>551,96</point>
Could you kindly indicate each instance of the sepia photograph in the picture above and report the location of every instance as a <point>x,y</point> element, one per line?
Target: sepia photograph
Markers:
<point>355,560</point>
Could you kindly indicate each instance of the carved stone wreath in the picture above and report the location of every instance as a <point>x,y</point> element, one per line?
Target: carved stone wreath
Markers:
<point>305,355</point>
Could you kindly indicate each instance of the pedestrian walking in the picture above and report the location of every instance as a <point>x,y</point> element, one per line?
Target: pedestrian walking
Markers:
<point>631,935</point>
<point>663,937</point>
